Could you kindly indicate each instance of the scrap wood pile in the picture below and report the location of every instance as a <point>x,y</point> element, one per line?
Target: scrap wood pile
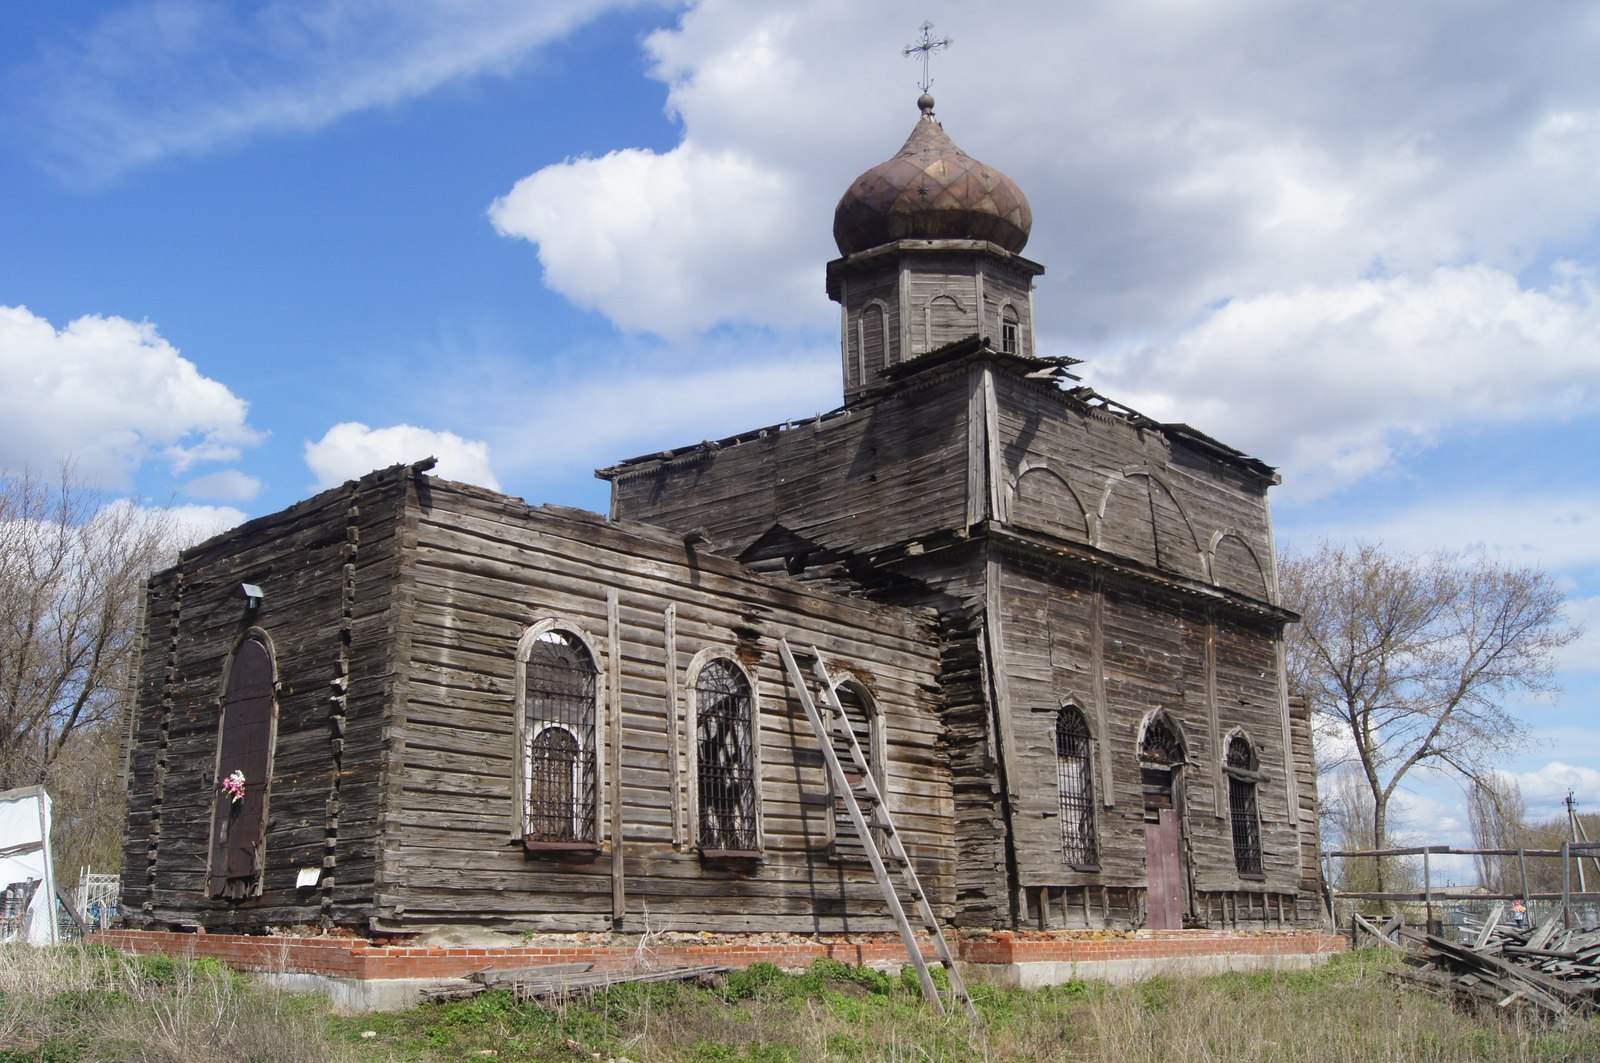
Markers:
<point>1549,971</point>
<point>555,982</point>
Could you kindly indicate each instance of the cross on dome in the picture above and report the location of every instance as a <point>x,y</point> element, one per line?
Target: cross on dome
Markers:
<point>926,46</point>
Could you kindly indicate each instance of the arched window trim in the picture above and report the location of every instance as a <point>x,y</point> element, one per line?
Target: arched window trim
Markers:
<point>1165,719</point>
<point>861,338</point>
<point>1014,321</point>
<point>524,738</point>
<point>262,786</point>
<point>691,681</point>
<point>1082,853</point>
<point>876,753</point>
<point>1244,812</point>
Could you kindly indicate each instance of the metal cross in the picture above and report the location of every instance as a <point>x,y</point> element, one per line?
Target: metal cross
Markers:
<point>927,46</point>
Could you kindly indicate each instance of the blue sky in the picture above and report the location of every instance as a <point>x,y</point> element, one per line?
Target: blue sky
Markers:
<point>251,249</point>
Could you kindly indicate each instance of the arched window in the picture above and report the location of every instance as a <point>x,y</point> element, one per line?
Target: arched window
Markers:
<point>245,737</point>
<point>1161,743</point>
<point>1010,334</point>
<point>874,355</point>
<point>559,727</point>
<point>1243,770</point>
<point>725,769</point>
<point>1161,759</point>
<point>861,714</point>
<point>1075,787</point>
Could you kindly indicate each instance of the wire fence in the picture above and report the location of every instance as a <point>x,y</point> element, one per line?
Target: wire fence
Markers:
<point>1460,913</point>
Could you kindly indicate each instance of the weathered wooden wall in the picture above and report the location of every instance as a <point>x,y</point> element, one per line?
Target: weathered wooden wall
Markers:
<point>855,479</point>
<point>1130,569</point>
<point>484,568</point>
<point>1092,477</point>
<point>327,568</point>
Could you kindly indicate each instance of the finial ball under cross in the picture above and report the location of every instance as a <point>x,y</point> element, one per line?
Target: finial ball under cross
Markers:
<point>926,46</point>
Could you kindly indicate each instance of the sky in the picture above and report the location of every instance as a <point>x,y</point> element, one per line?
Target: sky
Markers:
<point>249,250</point>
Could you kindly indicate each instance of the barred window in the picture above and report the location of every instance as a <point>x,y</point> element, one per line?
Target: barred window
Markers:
<point>725,771</point>
<point>560,780</point>
<point>1242,769</point>
<point>1075,787</point>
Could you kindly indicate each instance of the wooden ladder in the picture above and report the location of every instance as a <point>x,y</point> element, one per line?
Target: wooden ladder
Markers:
<point>877,832</point>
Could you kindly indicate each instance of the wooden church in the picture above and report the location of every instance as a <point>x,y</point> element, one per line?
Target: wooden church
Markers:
<point>1044,628</point>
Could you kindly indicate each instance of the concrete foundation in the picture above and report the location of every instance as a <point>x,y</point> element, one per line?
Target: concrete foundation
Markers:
<point>363,975</point>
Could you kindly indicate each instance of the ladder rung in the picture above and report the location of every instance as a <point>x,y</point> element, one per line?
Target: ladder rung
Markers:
<point>879,838</point>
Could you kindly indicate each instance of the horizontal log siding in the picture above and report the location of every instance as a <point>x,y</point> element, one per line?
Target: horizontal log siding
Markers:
<point>1154,653</point>
<point>886,472</point>
<point>323,565</point>
<point>1064,461</point>
<point>484,569</point>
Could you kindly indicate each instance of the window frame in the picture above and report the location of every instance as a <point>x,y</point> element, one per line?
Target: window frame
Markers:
<point>528,731</point>
<point>1244,805</point>
<point>704,660</point>
<point>877,763</point>
<point>1084,810</point>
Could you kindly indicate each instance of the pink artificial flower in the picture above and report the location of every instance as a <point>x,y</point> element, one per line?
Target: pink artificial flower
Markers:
<point>234,786</point>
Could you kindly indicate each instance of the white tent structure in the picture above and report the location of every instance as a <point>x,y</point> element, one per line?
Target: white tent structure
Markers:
<point>27,883</point>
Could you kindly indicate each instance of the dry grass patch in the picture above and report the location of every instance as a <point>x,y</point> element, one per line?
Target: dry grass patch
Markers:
<point>68,1004</point>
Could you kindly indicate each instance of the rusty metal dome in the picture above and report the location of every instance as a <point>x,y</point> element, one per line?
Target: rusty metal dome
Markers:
<point>931,190</point>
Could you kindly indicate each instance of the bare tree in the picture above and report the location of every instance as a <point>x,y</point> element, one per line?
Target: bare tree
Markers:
<point>1498,816</point>
<point>72,569</point>
<point>1406,660</point>
<point>1346,818</point>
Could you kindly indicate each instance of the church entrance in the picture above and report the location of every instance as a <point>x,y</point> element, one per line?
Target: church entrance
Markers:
<point>1160,768</point>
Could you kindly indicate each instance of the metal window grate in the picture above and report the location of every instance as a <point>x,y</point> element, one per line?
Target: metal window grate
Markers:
<point>1161,744</point>
<point>1075,785</point>
<point>725,759</point>
<point>559,757</point>
<point>1242,808</point>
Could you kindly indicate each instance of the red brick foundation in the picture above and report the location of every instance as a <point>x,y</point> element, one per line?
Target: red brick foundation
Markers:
<point>357,958</point>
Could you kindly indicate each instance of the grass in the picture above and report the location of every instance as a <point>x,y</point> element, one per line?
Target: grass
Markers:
<point>87,1004</point>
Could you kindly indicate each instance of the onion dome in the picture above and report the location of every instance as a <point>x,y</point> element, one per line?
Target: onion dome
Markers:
<point>931,190</point>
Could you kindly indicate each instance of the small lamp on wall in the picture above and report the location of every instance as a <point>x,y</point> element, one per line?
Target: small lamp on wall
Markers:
<point>252,596</point>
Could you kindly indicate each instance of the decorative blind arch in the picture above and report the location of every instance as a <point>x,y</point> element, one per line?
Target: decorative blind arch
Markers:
<point>246,734</point>
<point>865,720</point>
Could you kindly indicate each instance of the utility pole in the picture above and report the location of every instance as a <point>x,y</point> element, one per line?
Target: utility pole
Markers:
<point>1572,826</point>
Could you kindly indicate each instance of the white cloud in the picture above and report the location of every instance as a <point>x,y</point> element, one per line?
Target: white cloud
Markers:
<point>111,394</point>
<point>1329,383</point>
<point>193,524</point>
<point>604,421</point>
<point>1544,789</point>
<point>1558,530</point>
<point>229,485</point>
<point>154,78</point>
<point>677,259</point>
<point>1584,654</point>
<point>1261,210</point>
<point>351,449</point>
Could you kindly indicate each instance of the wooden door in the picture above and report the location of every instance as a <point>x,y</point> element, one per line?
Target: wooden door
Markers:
<point>238,824</point>
<point>1163,862</point>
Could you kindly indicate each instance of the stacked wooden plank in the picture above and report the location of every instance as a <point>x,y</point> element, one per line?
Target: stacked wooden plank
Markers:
<point>556,982</point>
<point>1549,972</point>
